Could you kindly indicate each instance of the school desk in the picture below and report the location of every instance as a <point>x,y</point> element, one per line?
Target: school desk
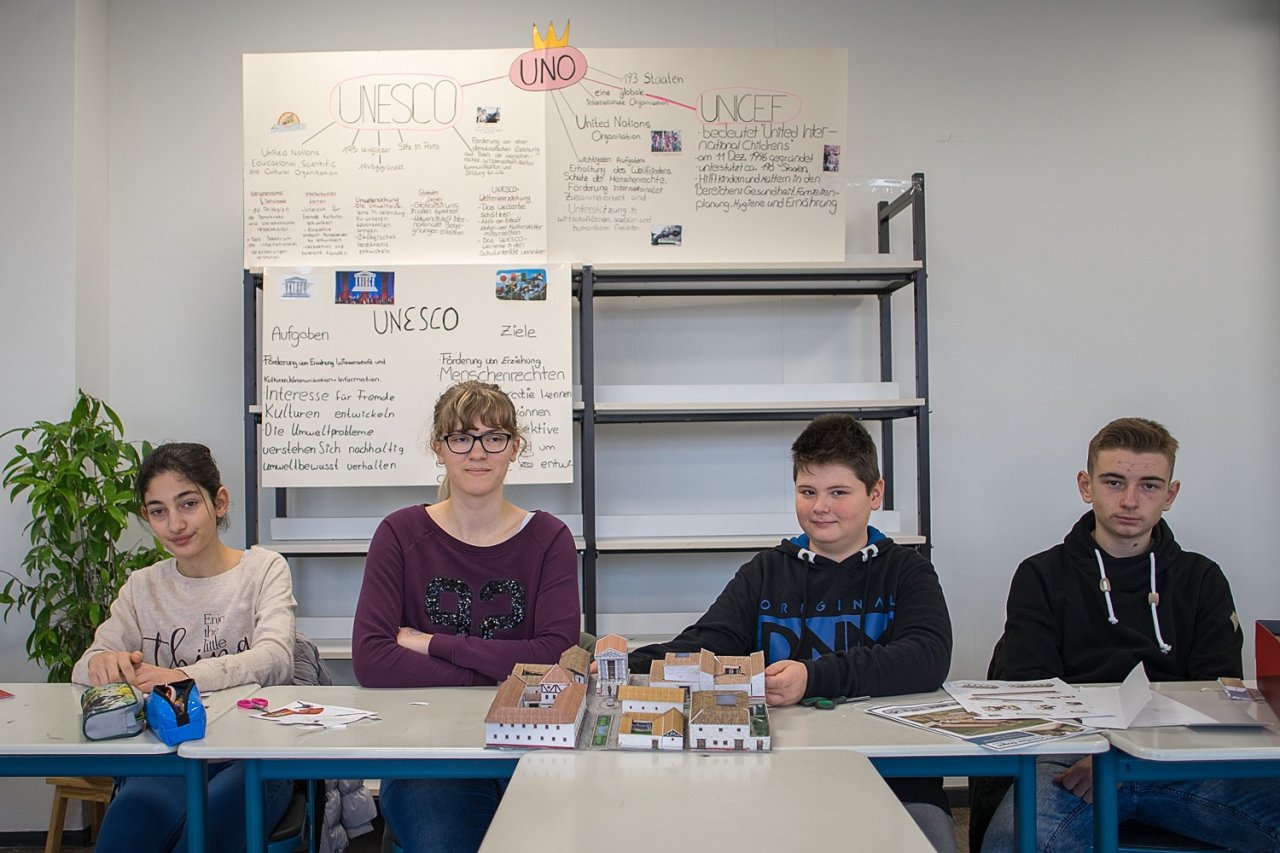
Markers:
<point>40,736</point>
<point>433,732</point>
<point>896,749</point>
<point>1182,752</point>
<point>637,802</point>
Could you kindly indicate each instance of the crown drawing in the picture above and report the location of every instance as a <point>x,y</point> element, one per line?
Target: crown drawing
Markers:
<point>539,43</point>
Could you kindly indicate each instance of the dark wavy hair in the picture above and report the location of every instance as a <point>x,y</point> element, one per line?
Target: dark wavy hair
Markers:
<point>188,460</point>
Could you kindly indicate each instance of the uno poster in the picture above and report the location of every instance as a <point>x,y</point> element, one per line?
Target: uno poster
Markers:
<point>548,152</point>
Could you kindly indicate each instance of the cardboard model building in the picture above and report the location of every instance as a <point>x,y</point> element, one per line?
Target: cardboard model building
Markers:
<point>611,664</point>
<point>729,720</point>
<point>536,710</point>
<point>695,671</point>
<point>652,718</point>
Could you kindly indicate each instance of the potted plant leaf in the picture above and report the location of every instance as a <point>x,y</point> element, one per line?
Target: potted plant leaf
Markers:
<point>78,479</point>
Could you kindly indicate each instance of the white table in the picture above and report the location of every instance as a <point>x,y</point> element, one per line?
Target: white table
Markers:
<point>644,801</point>
<point>442,739</point>
<point>40,736</point>
<point>896,749</point>
<point>1181,752</point>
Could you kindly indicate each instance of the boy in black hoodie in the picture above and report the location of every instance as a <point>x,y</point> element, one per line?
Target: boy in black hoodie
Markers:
<point>841,610</point>
<point>1118,591</point>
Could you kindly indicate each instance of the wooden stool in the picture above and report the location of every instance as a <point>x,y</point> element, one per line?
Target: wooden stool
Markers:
<point>93,789</point>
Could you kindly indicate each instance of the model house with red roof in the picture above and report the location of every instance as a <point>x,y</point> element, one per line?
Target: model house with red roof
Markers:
<point>704,670</point>
<point>536,710</point>
<point>727,720</point>
<point>652,718</point>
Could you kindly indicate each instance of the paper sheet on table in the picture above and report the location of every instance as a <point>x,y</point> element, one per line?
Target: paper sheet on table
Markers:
<point>1045,698</point>
<point>1118,706</point>
<point>298,713</point>
<point>1133,704</point>
<point>1201,708</point>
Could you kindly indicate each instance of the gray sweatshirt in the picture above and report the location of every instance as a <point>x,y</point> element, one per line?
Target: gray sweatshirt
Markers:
<point>233,628</point>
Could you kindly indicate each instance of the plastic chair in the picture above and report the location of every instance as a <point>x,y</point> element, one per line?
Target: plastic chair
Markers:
<point>291,831</point>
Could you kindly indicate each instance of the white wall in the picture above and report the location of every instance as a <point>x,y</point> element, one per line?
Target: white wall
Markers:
<point>38,235</point>
<point>1101,179</point>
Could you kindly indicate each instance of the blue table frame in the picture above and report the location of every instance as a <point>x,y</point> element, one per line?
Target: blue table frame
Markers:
<point>1021,767</point>
<point>194,774</point>
<point>258,770</point>
<point>1116,766</point>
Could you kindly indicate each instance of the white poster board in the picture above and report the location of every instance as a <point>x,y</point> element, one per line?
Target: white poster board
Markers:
<point>691,156</point>
<point>353,360</point>
<point>602,156</point>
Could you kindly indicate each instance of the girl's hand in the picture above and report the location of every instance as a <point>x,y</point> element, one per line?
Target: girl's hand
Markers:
<point>413,640</point>
<point>150,676</point>
<point>108,667</point>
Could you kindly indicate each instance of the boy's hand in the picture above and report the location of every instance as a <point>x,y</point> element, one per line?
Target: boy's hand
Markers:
<point>784,682</point>
<point>1078,779</point>
<point>107,667</point>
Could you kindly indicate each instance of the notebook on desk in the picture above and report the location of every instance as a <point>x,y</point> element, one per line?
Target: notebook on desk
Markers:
<point>1267,657</point>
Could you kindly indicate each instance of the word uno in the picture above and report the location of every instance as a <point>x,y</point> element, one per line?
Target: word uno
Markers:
<point>396,101</point>
<point>547,70</point>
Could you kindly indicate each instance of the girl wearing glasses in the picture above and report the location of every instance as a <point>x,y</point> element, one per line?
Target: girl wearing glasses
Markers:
<point>456,593</point>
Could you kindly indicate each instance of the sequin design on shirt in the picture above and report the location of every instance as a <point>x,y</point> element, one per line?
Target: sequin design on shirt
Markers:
<point>462,619</point>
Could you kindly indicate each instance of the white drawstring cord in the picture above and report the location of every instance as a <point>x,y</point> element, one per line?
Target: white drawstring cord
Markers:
<point>1153,598</point>
<point>1105,585</point>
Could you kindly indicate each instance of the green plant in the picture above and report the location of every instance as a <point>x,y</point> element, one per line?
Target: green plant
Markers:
<point>78,477</point>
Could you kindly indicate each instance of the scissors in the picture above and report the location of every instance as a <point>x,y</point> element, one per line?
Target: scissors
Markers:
<point>255,704</point>
<point>826,704</point>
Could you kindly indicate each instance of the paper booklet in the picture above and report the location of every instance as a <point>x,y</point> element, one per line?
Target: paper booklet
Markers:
<point>1045,698</point>
<point>298,713</point>
<point>1132,703</point>
<point>950,718</point>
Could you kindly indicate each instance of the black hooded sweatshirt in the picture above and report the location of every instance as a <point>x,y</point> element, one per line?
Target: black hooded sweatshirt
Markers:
<point>874,624</point>
<point>1058,625</point>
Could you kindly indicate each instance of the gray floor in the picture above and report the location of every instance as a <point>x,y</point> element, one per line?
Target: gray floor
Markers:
<point>372,843</point>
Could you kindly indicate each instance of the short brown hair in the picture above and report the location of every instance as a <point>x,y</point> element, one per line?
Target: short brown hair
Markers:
<point>1137,435</point>
<point>469,403</point>
<point>837,439</point>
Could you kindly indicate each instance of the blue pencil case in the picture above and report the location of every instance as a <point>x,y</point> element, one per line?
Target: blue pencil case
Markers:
<point>175,712</point>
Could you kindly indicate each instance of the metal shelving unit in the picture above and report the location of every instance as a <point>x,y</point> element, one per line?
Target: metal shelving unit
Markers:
<point>876,278</point>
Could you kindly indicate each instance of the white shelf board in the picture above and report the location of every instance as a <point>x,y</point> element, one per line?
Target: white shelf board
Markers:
<point>733,531</point>
<point>826,404</point>
<point>719,543</point>
<point>332,634</point>
<point>866,266</point>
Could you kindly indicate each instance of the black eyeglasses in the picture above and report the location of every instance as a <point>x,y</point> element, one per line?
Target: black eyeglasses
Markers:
<point>462,442</point>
